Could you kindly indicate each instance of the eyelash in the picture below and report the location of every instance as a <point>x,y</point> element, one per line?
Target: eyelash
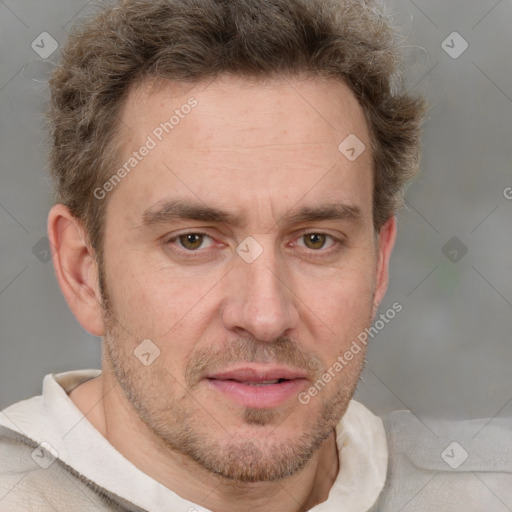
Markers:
<point>337,244</point>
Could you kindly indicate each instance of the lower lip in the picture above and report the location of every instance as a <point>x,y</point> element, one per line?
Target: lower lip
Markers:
<point>258,397</point>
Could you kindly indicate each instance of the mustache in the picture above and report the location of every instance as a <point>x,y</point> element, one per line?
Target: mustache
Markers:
<point>282,351</point>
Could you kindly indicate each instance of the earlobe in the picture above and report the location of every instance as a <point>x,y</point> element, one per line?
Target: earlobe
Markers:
<point>76,268</point>
<point>387,237</point>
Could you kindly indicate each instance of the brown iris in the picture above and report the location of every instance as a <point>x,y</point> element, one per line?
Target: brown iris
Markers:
<point>191,240</point>
<point>315,240</point>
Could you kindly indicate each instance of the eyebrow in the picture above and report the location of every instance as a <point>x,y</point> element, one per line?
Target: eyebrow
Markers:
<point>185,209</point>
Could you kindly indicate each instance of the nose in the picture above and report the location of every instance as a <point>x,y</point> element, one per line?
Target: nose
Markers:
<point>260,301</point>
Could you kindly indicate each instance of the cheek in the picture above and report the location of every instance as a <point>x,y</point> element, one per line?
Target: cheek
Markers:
<point>170,310</point>
<point>344,306</point>
<point>147,297</point>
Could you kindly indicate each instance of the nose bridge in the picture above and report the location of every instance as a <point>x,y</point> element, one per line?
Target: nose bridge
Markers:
<point>259,300</point>
<point>264,278</point>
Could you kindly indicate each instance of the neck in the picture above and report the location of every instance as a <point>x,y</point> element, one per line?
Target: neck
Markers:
<point>102,401</point>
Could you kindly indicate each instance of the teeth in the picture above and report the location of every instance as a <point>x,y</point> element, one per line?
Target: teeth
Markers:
<point>262,383</point>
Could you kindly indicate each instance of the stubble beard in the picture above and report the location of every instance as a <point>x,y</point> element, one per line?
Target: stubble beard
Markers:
<point>177,429</point>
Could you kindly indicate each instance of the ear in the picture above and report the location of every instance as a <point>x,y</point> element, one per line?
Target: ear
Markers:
<point>76,268</point>
<point>386,242</point>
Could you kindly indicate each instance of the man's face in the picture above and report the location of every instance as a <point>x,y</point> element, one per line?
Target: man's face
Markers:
<point>229,313</point>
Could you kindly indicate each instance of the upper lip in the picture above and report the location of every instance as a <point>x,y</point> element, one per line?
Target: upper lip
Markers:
<point>258,373</point>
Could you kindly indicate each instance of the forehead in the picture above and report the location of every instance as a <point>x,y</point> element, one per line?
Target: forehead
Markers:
<point>249,141</point>
<point>282,109</point>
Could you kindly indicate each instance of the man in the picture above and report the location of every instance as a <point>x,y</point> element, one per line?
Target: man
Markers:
<point>227,176</point>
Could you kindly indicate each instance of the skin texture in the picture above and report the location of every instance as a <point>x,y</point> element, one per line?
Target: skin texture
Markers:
<point>258,150</point>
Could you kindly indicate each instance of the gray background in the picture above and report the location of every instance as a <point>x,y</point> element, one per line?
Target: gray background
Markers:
<point>449,352</point>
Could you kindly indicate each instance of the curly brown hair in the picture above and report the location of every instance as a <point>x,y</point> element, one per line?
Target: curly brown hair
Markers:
<point>133,41</point>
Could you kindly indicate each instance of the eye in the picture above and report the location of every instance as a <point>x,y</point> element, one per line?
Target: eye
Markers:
<point>191,241</point>
<point>315,241</point>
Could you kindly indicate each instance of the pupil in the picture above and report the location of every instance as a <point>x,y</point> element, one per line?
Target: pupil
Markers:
<point>316,239</point>
<point>192,241</point>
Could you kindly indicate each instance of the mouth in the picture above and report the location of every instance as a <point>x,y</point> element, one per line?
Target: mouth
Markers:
<point>258,386</point>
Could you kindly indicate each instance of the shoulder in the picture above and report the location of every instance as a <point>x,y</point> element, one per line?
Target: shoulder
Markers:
<point>448,464</point>
<point>25,475</point>
<point>33,478</point>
